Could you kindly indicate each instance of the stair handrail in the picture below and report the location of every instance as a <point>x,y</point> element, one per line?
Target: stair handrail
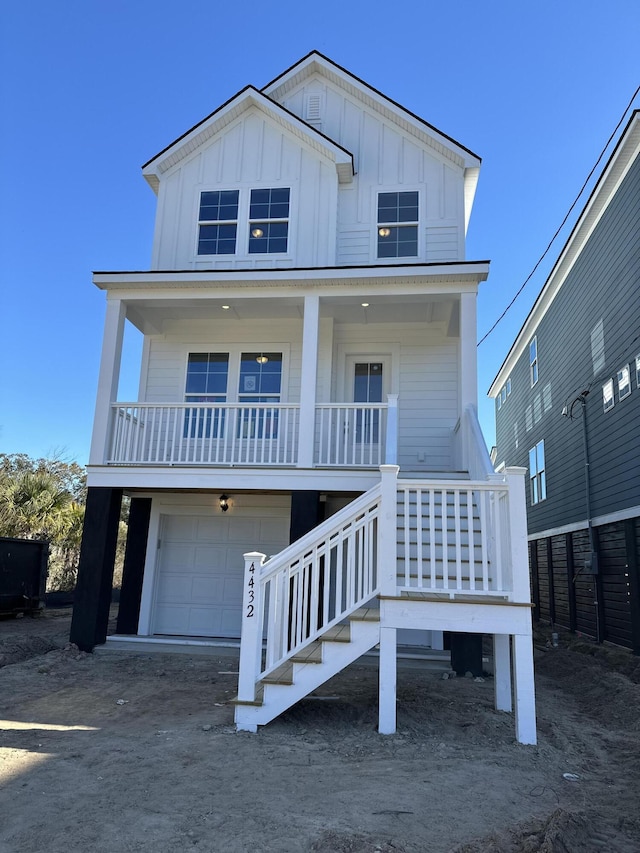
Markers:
<point>475,456</point>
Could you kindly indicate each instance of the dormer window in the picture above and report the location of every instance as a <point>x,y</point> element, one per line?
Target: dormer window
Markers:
<point>398,225</point>
<point>269,221</point>
<point>218,222</point>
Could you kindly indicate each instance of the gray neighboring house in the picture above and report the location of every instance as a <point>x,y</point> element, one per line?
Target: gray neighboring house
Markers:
<point>567,403</point>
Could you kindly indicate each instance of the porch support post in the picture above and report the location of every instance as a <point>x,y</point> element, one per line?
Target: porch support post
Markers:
<point>308,381</point>
<point>391,449</point>
<point>388,531</point>
<point>108,379</point>
<point>133,569</point>
<point>502,672</point>
<point>519,556</point>
<point>387,686</point>
<point>468,352</point>
<point>92,597</point>
<point>524,691</point>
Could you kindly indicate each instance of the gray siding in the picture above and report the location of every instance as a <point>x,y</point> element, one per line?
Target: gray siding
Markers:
<point>604,283</point>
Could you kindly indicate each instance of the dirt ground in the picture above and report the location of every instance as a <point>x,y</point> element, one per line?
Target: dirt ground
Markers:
<point>116,751</point>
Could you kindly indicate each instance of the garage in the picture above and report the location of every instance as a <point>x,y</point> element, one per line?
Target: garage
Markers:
<point>200,568</point>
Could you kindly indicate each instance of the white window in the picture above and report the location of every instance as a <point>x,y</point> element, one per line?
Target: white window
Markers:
<point>638,371</point>
<point>503,394</point>
<point>533,361</point>
<point>508,386</point>
<point>218,222</point>
<point>608,399</point>
<point>206,384</point>
<point>624,382</point>
<point>244,221</point>
<point>499,398</point>
<point>398,225</point>
<point>537,475</point>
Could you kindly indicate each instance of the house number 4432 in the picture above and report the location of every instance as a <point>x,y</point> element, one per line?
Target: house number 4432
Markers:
<point>251,594</point>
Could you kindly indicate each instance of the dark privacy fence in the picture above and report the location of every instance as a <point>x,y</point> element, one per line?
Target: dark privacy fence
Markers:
<point>604,606</point>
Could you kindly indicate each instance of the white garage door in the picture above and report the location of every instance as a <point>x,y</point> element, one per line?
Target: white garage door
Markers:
<point>200,571</point>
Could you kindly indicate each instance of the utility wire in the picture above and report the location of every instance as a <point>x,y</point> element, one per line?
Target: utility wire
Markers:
<point>562,224</point>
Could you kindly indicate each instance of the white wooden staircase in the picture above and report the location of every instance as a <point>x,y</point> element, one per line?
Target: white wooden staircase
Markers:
<point>427,555</point>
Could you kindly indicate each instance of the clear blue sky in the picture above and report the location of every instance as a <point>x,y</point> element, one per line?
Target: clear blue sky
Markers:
<point>92,89</point>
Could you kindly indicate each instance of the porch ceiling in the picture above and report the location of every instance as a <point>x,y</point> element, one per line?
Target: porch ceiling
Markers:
<point>150,314</point>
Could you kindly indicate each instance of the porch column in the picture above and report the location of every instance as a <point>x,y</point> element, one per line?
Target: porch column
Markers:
<point>133,569</point>
<point>108,378</point>
<point>524,690</point>
<point>387,686</point>
<point>519,556</point>
<point>95,568</point>
<point>502,671</point>
<point>308,381</point>
<point>468,352</point>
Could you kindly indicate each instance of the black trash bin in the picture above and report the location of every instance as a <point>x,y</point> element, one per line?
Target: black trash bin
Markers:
<point>23,575</point>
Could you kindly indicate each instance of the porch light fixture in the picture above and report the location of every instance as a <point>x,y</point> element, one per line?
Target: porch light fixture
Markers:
<point>257,232</point>
<point>365,304</point>
<point>262,359</point>
<point>224,502</point>
<point>226,307</point>
<point>384,232</point>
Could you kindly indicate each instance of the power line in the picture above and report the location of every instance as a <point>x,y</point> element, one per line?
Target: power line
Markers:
<point>562,224</point>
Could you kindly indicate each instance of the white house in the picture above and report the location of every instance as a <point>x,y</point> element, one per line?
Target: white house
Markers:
<point>307,392</point>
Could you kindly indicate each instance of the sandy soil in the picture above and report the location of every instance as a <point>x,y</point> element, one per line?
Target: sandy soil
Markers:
<point>163,770</point>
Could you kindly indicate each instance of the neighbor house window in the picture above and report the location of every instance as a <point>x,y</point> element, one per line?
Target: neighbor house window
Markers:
<point>533,361</point>
<point>206,384</point>
<point>638,371</point>
<point>508,386</point>
<point>269,220</point>
<point>537,476</point>
<point>398,225</point>
<point>608,400</point>
<point>218,222</point>
<point>624,382</point>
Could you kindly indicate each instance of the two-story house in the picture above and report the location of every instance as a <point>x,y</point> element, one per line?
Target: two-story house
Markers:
<point>307,392</point>
<point>568,407</point>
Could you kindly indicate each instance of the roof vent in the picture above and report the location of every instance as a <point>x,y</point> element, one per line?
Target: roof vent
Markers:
<point>313,108</point>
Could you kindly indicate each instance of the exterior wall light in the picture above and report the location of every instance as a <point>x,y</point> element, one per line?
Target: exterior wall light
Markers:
<point>224,502</point>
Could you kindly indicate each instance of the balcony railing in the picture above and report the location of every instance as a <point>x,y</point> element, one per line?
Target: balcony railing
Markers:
<point>254,434</point>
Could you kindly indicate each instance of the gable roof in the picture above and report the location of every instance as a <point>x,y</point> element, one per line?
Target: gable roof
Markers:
<point>229,112</point>
<point>623,156</point>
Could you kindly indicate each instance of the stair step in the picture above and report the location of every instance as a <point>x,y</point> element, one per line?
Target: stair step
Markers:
<point>337,634</point>
<point>366,614</point>
<point>310,654</point>
<point>257,702</point>
<point>282,675</point>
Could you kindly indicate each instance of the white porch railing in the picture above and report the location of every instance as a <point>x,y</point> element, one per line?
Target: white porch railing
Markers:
<point>351,434</point>
<point>347,435</point>
<point>292,599</point>
<point>223,434</point>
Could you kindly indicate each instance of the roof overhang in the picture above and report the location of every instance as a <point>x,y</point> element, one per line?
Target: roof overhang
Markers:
<point>621,160</point>
<point>230,112</point>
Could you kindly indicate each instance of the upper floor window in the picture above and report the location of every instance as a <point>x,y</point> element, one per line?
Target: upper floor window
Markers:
<point>398,225</point>
<point>218,222</point>
<point>537,473</point>
<point>638,371</point>
<point>206,384</point>
<point>533,361</point>
<point>608,399</point>
<point>257,219</point>
<point>624,382</point>
<point>269,220</point>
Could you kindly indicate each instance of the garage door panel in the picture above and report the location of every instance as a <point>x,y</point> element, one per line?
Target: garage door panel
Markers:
<point>200,574</point>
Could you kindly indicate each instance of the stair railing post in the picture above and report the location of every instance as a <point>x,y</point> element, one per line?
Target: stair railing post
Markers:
<point>252,617</point>
<point>391,444</point>
<point>519,554</point>
<point>388,530</point>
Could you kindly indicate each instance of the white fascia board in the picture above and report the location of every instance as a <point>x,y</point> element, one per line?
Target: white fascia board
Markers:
<point>421,278</point>
<point>229,479</point>
<point>230,112</point>
<point>316,63</point>
<point>623,157</point>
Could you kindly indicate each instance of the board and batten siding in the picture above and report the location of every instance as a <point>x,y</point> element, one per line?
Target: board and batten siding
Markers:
<point>603,285</point>
<point>387,158</point>
<point>427,384</point>
<point>253,152</point>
